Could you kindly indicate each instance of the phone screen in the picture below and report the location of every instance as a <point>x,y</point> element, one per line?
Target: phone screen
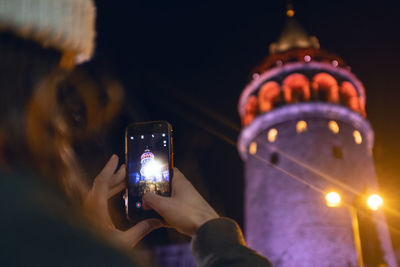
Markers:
<point>148,166</point>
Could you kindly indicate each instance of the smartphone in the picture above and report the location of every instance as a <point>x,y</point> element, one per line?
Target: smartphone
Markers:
<point>149,161</point>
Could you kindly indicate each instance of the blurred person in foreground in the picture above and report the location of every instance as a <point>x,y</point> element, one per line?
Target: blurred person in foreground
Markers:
<point>49,215</point>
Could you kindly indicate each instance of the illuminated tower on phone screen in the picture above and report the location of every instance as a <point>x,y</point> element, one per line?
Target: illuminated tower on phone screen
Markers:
<point>305,133</point>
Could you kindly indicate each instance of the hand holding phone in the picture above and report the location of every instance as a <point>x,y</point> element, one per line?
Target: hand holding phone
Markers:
<point>150,187</point>
<point>148,151</point>
<point>108,183</point>
<point>186,210</point>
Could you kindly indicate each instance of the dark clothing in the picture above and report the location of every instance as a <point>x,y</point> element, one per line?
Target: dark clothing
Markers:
<point>220,242</point>
<point>40,228</point>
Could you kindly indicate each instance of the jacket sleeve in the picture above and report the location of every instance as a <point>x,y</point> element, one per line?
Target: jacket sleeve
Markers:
<point>220,242</point>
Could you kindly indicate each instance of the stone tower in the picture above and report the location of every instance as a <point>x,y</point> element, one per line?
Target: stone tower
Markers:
<point>304,134</point>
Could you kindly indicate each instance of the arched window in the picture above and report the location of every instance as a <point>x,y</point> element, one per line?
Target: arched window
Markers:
<point>296,88</point>
<point>268,95</point>
<point>326,87</point>
<point>251,110</point>
<point>350,97</point>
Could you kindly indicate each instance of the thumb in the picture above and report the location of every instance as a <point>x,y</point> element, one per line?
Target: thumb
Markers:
<point>140,230</point>
<point>156,202</point>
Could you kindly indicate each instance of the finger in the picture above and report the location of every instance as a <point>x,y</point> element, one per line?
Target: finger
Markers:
<point>179,182</point>
<point>116,189</point>
<point>109,169</point>
<point>140,230</point>
<point>156,202</point>
<point>119,176</point>
<point>98,207</point>
<point>145,206</point>
<point>177,177</point>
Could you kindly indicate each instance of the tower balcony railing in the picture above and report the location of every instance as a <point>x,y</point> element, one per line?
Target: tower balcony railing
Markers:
<point>305,55</point>
<point>302,87</point>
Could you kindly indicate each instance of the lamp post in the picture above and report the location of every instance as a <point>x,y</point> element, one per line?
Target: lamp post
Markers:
<point>356,235</point>
<point>333,199</point>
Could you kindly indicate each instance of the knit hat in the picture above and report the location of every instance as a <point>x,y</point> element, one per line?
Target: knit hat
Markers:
<point>65,25</point>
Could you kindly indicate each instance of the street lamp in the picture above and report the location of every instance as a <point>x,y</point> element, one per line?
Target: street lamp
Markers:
<point>374,202</point>
<point>356,234</point>
<point>333,199</point>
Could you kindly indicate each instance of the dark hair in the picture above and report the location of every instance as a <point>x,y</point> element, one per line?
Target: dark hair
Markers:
<point>33,133</point>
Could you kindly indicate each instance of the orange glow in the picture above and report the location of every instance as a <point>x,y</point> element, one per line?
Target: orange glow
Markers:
<point>253,148</point>
<point>334,127</point>
<point>251,110</point>
<point>333,199</point>
<point>301,126</point>
<point>326,82</point>
<point>247,119</point>
<point>357,137</point>
<point>296,83</point>
<point>351,99</point>
<point>268,95</point>
<point>290,13</point>
<point>272,135</point>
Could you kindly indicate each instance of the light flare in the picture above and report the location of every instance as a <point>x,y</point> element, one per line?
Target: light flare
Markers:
<point>374,202</point>
<point>153,168</point>
<point>333,199</point>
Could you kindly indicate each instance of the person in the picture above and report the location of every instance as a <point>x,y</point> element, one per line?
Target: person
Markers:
<point>49,215</point>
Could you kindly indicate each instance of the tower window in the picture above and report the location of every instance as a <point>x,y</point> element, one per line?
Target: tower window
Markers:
<point>274,158</point>
<point>334,127</point>
<point>326,87</point>
<point>301,126</point>
<point>350,97</point>
<point>268,95</point>
<point>253,148</point>
<point>296,88</point>
<point>357,137</point>
<point>251,110</point>
<point>272,135</point>
<point>337,152</point>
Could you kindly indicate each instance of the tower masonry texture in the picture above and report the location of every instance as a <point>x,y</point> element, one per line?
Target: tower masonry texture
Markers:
<point>305,134</point>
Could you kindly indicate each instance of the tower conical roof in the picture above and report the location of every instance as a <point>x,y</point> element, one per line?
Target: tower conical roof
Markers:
<point>293,36</point>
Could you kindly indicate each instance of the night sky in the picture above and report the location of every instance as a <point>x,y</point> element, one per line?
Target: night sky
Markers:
<point>188,62</point>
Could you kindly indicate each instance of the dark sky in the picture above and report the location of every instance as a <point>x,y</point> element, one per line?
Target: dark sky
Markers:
<point>187,62</point>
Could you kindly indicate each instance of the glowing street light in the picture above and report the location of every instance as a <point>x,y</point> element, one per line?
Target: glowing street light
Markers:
<point>374,202</point>
<point>333,199</point>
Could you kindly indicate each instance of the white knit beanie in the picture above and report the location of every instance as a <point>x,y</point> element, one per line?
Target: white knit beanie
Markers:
<point>66,25</point>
